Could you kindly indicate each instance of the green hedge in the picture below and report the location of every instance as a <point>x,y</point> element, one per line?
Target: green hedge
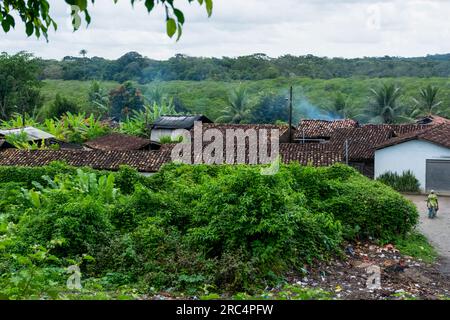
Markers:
<point>27,175</point>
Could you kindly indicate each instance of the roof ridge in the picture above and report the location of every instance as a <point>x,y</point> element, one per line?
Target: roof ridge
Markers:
<point>420,134</point>
<point>422,131</point>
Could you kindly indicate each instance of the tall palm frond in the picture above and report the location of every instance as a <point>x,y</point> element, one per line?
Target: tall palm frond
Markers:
<point>238,110</point>
<point>427,102</point>
<point>384,107</point>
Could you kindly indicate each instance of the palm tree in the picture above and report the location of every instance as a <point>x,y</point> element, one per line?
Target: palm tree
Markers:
<point>427,102</point>
<point>156,95</point>
<point>341,108</point>
<point>238,109</point>
<point>83,52</point>
<point>384,107</point>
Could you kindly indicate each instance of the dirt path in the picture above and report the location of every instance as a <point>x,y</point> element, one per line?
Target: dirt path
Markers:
<point>436,230</point>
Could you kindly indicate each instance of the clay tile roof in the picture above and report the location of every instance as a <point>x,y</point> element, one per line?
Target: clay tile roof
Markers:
<point>361,141</point>
<point>433,119</point>
<point>118,142</point>
<point>438,134</point>
<point>310,128</point>
<point>224,126</point>
<point>291,152</point>
<point>401,129</point>
<point>144,161</point>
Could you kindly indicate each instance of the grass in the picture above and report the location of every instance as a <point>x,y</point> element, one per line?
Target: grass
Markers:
<point>417,246</point>
<point>76,91</point>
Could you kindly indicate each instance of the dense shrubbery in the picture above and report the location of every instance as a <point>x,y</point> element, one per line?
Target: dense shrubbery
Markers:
<point>405,182</point>
<point>26,175</point>
<point>185,228</point>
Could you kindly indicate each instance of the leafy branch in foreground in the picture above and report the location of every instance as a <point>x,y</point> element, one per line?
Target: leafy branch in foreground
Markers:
<point>35,14</point>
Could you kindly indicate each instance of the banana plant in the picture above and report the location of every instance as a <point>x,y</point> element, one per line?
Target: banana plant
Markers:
<point>136,124</point>
<point>34,197</point>
<point>17,121</point>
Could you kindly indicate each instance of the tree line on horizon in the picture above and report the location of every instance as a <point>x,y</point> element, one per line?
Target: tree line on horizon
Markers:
<point>133,66</point>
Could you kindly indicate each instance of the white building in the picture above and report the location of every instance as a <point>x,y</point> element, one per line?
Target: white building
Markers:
<point>426,153</point>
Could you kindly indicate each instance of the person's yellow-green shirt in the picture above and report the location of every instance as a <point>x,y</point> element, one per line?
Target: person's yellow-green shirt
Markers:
<point>432,201</point>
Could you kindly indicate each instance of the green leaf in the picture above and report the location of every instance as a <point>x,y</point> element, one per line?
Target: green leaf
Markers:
<point>149,4</point>
<point>82,4</point>
<point>8,22</point>
<point>87,17</point>
<point>179,15</point>
<point>29,28</point>
<point>5,26</point>
<point>209,6</point>
<point>171,27</point>
<point>180,31</point>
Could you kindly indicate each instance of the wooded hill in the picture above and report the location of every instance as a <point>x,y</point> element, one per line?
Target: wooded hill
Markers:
<point>134,66</point>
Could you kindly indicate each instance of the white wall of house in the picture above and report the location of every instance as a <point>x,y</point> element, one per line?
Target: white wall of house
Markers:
<point>156,134</point>
<point>410,155</point>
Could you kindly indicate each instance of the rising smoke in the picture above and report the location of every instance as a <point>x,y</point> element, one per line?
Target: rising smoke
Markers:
<point>306,110</point>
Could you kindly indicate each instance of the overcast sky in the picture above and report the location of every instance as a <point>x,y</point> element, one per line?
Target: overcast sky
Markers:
<point>334,28</point>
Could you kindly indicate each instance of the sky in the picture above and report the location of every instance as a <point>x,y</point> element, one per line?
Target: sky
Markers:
<point>333,28</point>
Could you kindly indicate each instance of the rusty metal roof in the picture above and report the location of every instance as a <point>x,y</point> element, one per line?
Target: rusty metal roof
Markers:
<point>178,121</point>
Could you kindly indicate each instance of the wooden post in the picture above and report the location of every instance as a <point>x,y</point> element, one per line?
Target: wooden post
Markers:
<point>290,114</point>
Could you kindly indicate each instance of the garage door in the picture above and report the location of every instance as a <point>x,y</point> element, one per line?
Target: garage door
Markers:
<point>438,175</point>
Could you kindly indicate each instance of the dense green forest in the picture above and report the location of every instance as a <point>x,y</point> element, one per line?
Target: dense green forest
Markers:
<point>133,66</point>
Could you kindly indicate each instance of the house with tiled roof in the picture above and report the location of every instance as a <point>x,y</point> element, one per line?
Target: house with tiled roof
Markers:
<point>355,142</point>
<point>121,142</point>
<point>144,161</point>
<point>111,151</point>
<point>289,152</point>
<point>316,142</point>
<point>425,152</point>
<point>316,131</point>
<point>318,157</point>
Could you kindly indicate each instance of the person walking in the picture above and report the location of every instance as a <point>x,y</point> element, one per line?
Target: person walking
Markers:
<point>432,204</point>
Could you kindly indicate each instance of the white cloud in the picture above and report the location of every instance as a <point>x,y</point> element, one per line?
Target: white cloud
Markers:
<point>345,28</point>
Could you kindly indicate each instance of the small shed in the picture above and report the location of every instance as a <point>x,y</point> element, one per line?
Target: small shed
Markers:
<point>166,125</point>
<point>33,135</point>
